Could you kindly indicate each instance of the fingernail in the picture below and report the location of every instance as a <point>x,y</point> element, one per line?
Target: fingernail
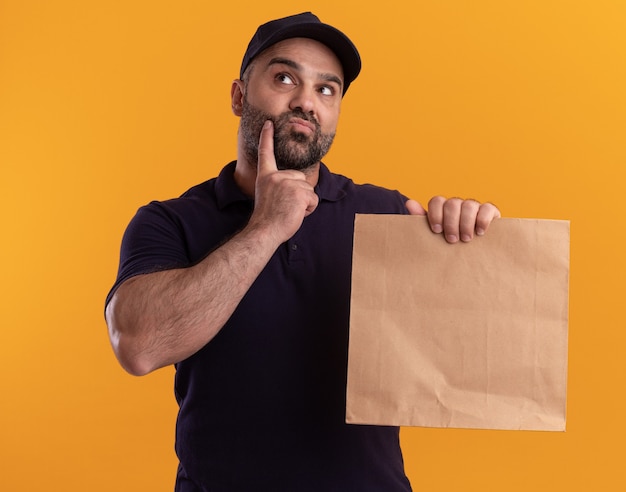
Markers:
<point>267,124</point>
<point>437,228</point>
<point>466,238</point>
<point>480,232</point>
<point>451,238</point>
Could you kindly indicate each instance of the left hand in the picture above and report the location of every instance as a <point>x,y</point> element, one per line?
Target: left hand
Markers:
<point>458,219</point>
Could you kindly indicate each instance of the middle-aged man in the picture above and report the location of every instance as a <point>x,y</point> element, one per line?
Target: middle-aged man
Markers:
<point>244,284</point>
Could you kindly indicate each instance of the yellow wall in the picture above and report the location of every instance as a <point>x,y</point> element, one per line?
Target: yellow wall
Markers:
<point>105,105</point>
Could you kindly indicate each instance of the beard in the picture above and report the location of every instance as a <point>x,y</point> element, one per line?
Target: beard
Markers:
<point>292,149</point>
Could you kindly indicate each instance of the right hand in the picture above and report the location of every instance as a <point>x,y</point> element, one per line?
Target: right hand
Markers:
<point>282,198</point>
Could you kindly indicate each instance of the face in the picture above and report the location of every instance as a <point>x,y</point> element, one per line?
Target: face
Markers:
<point>297,84</point>
<point>294,147</point>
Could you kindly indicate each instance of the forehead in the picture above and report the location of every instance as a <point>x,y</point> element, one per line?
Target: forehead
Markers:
<point>308,53</point>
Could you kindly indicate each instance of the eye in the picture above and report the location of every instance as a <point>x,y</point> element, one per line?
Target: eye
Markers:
<point>283,78</point>
<point>327,90</point>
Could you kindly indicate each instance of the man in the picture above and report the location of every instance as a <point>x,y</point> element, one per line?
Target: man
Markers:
<point>244,284</point>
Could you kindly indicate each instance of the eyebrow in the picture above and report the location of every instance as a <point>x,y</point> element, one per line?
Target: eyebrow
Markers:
<point>328,77</point>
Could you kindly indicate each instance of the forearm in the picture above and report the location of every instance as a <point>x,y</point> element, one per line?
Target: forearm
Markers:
<point>164,317</point>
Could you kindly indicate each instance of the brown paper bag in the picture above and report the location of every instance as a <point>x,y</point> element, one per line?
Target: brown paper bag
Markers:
<point>466,335</point>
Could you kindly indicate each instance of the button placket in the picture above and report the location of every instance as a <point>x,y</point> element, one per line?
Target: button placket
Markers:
<point>294,252</point>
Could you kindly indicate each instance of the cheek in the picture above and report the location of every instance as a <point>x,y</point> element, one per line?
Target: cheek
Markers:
<point>269,101</point>
<point>329,122</point>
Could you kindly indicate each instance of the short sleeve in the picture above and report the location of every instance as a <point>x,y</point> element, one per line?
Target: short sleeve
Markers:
<point>152,242</point>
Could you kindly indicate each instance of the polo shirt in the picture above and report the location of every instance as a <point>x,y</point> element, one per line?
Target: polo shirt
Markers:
<point>262,405</point>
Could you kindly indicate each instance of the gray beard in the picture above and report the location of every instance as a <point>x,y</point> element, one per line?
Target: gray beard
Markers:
<point>293,150</point>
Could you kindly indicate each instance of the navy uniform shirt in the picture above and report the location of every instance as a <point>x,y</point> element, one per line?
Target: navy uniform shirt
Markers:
<point>262,405</point>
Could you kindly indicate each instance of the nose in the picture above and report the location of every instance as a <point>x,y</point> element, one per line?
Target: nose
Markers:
<point>303,99</point>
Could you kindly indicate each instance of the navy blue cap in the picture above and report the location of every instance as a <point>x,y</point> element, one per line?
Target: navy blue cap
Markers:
<point>306,25</point>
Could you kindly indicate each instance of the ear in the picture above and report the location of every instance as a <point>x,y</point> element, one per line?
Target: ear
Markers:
<point>236,96</point>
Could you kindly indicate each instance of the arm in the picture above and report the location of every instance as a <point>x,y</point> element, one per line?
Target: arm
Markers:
<point>456,218</point>
<point>161,318</point>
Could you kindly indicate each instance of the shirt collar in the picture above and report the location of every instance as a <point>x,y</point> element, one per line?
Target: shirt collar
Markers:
<point>226,190</point>
<point>329,186</point>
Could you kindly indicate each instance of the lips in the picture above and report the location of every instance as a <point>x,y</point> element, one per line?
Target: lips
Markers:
<point>299,123</point>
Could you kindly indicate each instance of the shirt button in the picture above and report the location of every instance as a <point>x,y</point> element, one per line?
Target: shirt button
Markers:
<point>294,247</point>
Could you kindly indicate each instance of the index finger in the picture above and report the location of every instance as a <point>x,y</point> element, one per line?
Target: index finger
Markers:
<point>267,161</point>
<point>414,208</point>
